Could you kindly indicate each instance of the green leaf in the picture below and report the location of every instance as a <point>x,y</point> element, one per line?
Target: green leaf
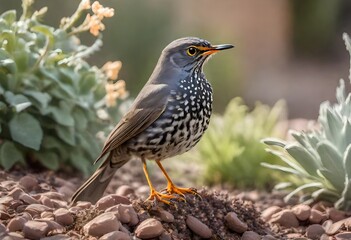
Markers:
<point>9,16</point>
<point>62,114</point>
<point>21,106</point>
<point>26,130</point>
<point>47,31</point>
<point>347,161</point>
<point>10,155</point>
<point>67,134</point>
<point>8,66</point>
<point>80,119</point>
<point>42,98</point>
<point>81,163</point>
<point>13,99</point>
<point>304,158</point>
<point>274,142</point>
<point>49,159</point>
<point>87,83</point>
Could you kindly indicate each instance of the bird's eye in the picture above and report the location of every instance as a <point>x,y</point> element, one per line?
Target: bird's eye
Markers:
<point>191,51</point>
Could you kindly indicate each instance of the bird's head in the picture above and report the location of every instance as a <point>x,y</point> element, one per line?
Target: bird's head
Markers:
<point>190,53</point>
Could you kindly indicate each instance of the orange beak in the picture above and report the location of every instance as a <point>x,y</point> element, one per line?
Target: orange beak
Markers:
<point>214,49</point>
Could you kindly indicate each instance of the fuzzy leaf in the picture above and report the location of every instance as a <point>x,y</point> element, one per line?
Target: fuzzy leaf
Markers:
<point>42,98</point>
<point>62,114</point>
<point>10,155</point>
<point>274,142</point>
<point>26,130</point>
<point>9,16</point>
<point>304,158</point>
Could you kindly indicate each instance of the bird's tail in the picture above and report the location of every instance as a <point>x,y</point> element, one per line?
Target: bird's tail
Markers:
<point>93,189</point>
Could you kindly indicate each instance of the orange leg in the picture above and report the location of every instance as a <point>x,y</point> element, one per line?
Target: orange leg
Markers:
<point>155,195</point>
<point>172,188</point>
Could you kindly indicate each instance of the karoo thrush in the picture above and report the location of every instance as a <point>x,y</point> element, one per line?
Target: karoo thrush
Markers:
<point>168,117</point>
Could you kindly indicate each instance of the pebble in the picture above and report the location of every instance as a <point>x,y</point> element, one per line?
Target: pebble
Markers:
<point>26,198</point>
<point>124,190</point>
<point>46,201</point>
<point>127,214</point>
<point>317,216</point>
<point>343,236</point>
<point>331,229</point>
<point>63,217</point>
<point>116,235</point>
<point>250,235</point>
<point>36,209</point>
<point>267,213</point>
<point>120,199</point>
<point>54,226</point>
<point>234,223</point>
<point>13,236</point>
<point>105,202</point>
<point>149,228</point>
<point>285,218</point>
<point>15,193</point>
<point>57,237</point>
<point>53,195</point>
<point>165,236</point>
<point>315,231</point>
<point>102,224</point>
<point>66,191</point>
<point>16,224</point>
<point>29,183</point>
<point>302,211</point>
<point>198,227</point>
<point>35,229</point>
<point>84,205</point>
<point>4,215</point>
<point>166,216</point>
<point>2,228</point>
<point>268,237</point>
<point>335,215</point>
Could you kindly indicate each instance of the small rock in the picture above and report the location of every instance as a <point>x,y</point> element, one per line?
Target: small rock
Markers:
<point>16,224</point>
<point>26,216</point>
<point>4,215</point>
<point>59,203</point>
<point>334,228</point>
<point>47,215</point>
<point>105,202</point>
<point>36,209</point>
<point>84,205</point>
<point>198,227</point>
<point>124,190</point>
<point>166,216</point>
<point>63,217</point>
<point>102,224</point>
<point>314,231</point>
<point>250,235</point>
<point>268,237</point>
<point>29,183</point>
<point>13,236</point>
<point>302,211</point>
<point>285,218</point>
<point>343,236</point>
<point>53,195</point>
<point>67,192</point>
<point>120,199</point>
<point>149,228</point>
<point>26,198</point>
<point>6,201</point>
<point>57,237</point>
<point>54,226</point>
<point>234,223</point>
<point>335,215</point>
<point>46,202</point>
<point>267,213</point>
<point>15,193</point>
<point>127,214</point>
<point>324,237</point>
<point>35,229</point>
<point>116,235</point>
<point>317,216</point>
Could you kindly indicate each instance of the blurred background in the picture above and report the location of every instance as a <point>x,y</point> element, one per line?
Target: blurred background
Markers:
<point>290,50</point>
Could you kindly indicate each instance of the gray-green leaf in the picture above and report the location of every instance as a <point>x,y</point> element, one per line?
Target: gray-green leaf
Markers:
<point>26,130</point>
<point>10,155</point>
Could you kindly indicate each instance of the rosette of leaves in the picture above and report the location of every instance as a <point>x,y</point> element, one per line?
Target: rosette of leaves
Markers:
<point>230,150</point>
<point>320,160</point>
<point>50,97</point>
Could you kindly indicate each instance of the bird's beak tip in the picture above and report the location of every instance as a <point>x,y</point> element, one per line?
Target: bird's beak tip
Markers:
<point>223,47</point>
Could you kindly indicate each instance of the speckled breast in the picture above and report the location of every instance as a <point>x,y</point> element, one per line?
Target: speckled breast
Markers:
<point>181,125</point>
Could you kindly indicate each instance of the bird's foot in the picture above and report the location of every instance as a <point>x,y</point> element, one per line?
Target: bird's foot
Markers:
<point>156,196</point>
<point>172,189</point>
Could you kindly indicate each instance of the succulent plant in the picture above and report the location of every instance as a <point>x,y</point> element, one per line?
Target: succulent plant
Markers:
<point>230,150</point>
<point>52,102</point>
<point>320,159</point>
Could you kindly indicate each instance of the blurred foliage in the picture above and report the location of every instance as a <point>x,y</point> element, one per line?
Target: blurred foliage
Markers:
<point>315,19</point>
<point>231,151</point>
<point>320,160</point>
<point>52,102</point>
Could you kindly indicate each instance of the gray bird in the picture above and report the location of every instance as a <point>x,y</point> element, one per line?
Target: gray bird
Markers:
<point>167,118</point>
